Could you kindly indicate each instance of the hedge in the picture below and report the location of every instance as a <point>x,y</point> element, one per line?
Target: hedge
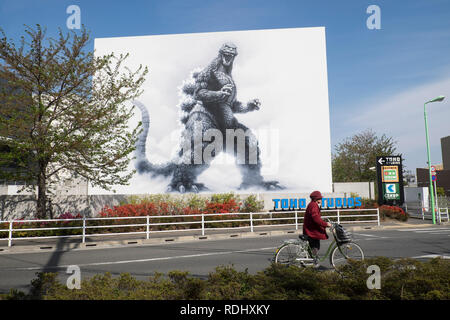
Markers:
<point>405,279</point>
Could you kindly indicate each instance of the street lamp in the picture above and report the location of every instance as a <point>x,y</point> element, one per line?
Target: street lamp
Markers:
<point>438,99</point>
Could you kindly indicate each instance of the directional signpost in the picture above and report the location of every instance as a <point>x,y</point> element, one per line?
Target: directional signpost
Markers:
<point>390,180</point>
<point>434,179</point>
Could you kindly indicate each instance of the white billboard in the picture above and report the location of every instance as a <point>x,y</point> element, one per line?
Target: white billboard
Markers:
<point>243,111</point>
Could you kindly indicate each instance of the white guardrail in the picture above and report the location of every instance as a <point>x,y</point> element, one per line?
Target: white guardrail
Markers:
<point>147,224</point>
<point>416,210</point>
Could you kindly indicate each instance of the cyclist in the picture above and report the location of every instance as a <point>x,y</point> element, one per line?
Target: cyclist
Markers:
<point>313,225</point>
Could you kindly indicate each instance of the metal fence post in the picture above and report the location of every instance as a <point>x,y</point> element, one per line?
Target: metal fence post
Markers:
<point>338,220</point>
<point>378,216</point>
<point>251,222</point>
<point>296,221</point>
<point>10,234</point>
<point>203,224</point>
<point>83,239</point>
<point>148,227</point>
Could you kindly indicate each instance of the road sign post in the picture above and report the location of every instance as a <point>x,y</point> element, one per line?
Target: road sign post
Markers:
<point>434,179</point>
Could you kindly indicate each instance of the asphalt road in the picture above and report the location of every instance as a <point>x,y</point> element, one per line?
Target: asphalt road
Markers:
<point>202,256</point>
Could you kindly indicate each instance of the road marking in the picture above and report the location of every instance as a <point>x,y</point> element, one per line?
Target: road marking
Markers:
<point>145,260</point>
<point>380,238</point>
<point>422,229</point>
<point>433,231</point>
<point>432,256</point>
<point>372,237</point>
<point>367,235</point>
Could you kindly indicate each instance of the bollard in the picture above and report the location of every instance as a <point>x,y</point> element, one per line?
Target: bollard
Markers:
<point>296,221</point>
<point>10,234</point>
<point>378,216</point>
<point>203,224</point>
<point>148,227</point>
<point>83,239</point>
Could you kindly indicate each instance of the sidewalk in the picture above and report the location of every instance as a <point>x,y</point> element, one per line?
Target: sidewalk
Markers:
<point>66,244</point>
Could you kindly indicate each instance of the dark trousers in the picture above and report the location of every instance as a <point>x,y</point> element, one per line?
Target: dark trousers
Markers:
<point>315,246</point>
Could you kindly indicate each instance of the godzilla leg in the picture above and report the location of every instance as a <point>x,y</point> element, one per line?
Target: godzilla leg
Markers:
<point>248,160</point>
<point>184,178</point>
<point>196,153</point>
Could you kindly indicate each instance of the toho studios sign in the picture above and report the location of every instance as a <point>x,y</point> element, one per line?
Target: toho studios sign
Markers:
<point>390,180</point>
<point>301,203</point>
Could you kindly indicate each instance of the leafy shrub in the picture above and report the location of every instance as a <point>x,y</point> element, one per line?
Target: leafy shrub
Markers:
<point>251,204</point>
<point>404,279</point>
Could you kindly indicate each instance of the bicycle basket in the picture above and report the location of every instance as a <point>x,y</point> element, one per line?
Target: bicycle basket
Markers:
<point>342,236</point>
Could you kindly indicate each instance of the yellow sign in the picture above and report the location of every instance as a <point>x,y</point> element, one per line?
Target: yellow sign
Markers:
<point>389,174</point>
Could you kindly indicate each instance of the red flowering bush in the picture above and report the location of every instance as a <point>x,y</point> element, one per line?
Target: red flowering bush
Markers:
<point>167,205</point>
<point>393,212</point>
<point>130,210</point>
<point>228,206</point>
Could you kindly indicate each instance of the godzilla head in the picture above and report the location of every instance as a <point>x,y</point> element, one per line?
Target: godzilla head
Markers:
<point>227,53</point>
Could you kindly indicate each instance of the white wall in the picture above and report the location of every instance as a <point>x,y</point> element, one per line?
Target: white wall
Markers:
<point>417,195</point>
<point>362,189</point>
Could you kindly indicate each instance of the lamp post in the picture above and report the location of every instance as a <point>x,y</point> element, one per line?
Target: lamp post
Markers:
<point>438,99</point>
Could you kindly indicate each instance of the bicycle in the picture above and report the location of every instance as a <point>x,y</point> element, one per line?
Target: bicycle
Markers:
<point>298,252</point>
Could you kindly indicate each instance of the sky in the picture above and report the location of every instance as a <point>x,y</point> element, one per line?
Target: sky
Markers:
<point>377,78</point>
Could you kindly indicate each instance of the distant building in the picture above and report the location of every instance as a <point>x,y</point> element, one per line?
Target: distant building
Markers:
<point>442,171</point>
<point>445,146</point>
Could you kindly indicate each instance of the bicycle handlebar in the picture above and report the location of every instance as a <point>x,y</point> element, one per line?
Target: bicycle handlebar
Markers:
<point>331,222</point>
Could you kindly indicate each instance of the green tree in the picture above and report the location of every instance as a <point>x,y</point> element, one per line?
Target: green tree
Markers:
<point>64,110</point>
<point>353,158</point>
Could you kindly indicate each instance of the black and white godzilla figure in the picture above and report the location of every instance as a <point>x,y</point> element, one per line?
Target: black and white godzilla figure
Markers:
<point>210,100</point>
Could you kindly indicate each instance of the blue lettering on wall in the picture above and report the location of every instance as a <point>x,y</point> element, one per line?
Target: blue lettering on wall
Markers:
<point>294,204</point>
<point>350,202</point>
<point>275,205</point>
<point>331,203</point>
<point>302,203</point>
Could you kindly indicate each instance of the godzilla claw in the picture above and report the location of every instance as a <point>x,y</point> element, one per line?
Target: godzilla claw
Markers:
<point>186,187</point>
<point>268,185</point>
<point>273,185</point>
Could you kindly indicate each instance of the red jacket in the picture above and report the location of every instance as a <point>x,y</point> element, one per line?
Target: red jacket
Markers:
<point>313,225</point>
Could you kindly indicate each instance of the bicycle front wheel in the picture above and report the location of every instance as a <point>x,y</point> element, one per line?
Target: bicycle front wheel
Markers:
<point>287,254</point>
<point>348,251</point>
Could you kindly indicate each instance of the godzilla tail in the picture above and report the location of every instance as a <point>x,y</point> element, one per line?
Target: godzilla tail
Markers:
<point>142,164</point>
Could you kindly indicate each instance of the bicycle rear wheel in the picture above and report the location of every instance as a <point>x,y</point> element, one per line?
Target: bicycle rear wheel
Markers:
<point>290,254</point>
<point>348,251</point>
<point>287,254</point>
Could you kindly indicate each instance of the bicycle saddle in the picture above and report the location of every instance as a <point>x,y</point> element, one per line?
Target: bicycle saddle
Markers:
<point>303,237</point>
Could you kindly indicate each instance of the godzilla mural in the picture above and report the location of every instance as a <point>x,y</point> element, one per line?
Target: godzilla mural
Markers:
<point>209,105</point>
